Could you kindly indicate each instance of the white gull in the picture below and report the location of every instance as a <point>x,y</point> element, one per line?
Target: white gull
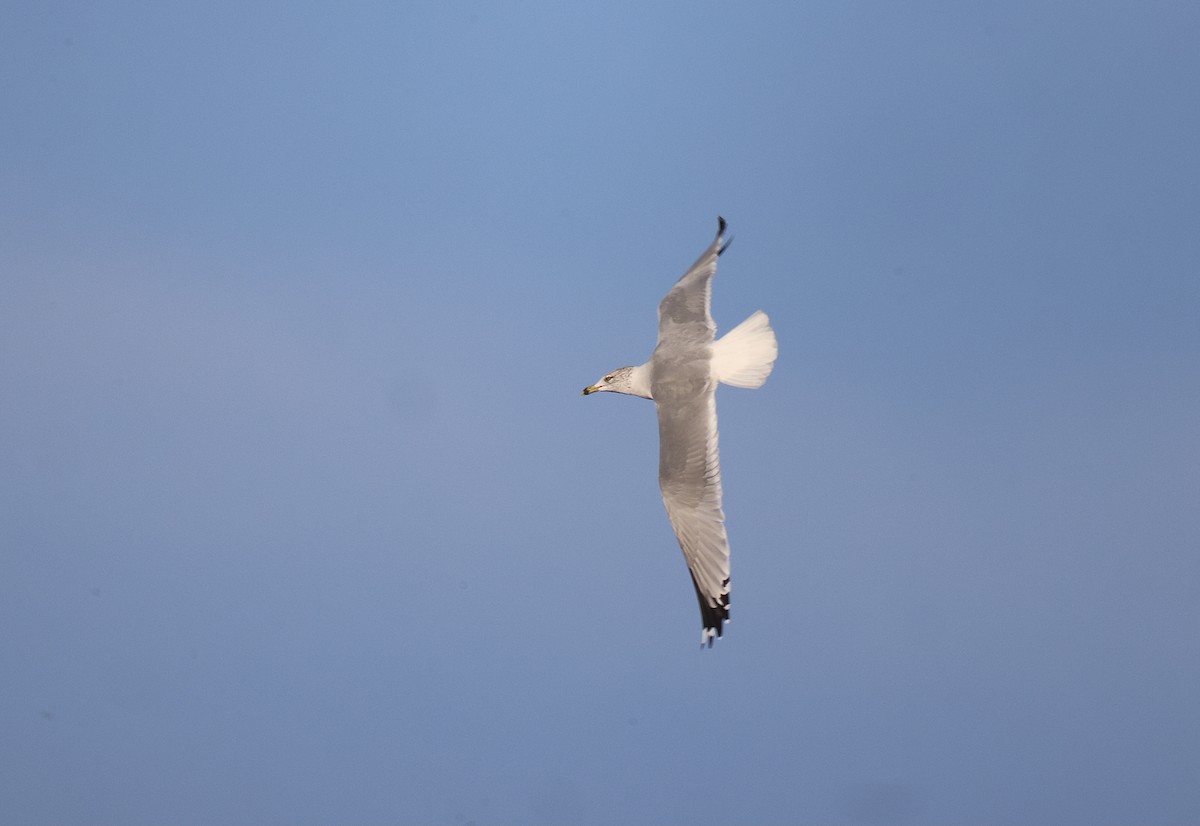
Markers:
<point>681,378</point>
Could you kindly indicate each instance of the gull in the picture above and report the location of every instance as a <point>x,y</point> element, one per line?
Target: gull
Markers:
<point>681,378</point>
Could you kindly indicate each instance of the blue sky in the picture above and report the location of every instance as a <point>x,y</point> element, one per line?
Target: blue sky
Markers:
<point>305,521</point>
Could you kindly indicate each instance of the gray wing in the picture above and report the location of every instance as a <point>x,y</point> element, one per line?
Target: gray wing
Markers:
<point>689,474</point>
<point>684,311</point>
<point>689,471</point>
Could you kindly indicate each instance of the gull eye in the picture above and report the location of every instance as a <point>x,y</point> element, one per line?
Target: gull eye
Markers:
<point>609,377</point>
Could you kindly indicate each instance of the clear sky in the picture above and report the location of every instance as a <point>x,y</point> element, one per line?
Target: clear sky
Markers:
<point>304,520</point>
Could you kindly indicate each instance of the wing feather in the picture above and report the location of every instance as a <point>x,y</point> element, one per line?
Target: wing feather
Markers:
<point>686,310</point>
<point>689,470</point>
<point>690,479</point>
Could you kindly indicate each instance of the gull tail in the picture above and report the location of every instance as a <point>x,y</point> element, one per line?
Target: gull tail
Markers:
<point>744,356</point>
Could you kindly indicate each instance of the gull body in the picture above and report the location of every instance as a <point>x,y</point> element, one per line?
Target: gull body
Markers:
<point>681,378</point>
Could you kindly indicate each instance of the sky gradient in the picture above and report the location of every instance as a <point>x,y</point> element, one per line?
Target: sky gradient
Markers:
<point>305,522</point>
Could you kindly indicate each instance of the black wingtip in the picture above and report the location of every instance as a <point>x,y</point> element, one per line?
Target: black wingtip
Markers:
<point>712,617</point>
<point>722,243</point>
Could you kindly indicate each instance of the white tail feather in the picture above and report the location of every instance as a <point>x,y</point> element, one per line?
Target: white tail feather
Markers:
<point>744,356</point>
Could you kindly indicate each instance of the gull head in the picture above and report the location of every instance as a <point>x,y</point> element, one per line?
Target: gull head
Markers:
<point>633,381</point>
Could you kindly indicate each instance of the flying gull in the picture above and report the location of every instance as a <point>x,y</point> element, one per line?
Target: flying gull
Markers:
<point>681,378</point>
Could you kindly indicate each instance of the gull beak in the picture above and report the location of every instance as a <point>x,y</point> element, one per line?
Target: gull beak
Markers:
<point>591,389</point>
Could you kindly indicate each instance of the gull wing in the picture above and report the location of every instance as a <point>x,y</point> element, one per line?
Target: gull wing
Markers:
<point>685,310</point>
<point>689,471</point>
<point>689,475</point>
